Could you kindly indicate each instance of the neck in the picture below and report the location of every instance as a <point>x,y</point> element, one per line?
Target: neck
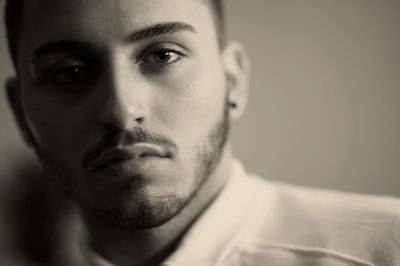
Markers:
<point>152,246</point>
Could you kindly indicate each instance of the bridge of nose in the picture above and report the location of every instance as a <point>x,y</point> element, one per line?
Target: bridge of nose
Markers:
<point>127,93</point>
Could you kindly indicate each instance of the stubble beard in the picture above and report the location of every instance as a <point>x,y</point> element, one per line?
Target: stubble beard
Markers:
<point>150,210</point>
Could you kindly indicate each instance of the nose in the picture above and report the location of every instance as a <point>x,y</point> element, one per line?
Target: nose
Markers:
<point>126,99</point>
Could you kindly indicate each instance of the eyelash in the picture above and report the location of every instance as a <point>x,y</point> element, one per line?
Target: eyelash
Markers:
<point>157,50</point>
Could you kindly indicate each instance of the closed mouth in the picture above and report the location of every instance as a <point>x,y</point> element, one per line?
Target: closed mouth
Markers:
<point>132,152</point>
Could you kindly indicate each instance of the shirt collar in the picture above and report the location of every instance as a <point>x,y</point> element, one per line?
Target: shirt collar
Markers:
<point>217,232</point>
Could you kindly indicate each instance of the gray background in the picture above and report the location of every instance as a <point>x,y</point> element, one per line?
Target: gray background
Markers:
<point>325,94</point>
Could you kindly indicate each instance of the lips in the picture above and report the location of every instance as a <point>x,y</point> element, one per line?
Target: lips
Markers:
<point>137,151</point>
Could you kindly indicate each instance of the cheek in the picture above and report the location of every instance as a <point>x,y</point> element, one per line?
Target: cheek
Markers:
<point>196,102</point>
<point>55,127</point>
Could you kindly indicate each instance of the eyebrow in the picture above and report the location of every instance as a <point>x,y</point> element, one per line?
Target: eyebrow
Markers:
<point>159,29</point>
<point>62,46</point>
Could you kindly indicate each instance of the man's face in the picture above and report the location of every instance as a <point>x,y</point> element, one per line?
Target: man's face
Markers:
<point>126,101</point>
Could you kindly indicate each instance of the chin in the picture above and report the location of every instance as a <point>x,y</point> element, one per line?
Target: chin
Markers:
<point>139,210</point>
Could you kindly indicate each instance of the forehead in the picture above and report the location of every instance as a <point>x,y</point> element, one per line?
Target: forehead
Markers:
<point>55,19</point>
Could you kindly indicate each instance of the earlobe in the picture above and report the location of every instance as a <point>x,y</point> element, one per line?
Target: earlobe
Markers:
<point>237,69</point>
<point>14,99</point>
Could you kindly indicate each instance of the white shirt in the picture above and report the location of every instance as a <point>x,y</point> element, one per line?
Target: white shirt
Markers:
<point>255,222</point>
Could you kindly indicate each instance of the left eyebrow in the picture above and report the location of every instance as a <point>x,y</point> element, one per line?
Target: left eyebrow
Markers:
<point>159,29</point>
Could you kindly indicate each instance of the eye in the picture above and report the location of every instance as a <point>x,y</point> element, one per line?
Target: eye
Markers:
<point>162,57</point>
<point>69,73</point>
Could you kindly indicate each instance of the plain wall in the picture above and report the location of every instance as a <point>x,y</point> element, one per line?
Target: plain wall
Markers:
<point>325,94</point>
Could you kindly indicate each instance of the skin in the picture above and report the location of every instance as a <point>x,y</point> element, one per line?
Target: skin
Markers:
<point>178,86</point>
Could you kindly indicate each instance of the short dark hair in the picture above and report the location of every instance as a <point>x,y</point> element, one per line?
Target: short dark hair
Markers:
<point>13,22</point>
<point>14,16</point>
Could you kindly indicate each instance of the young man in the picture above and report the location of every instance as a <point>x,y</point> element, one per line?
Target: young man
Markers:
<point>128,105</point>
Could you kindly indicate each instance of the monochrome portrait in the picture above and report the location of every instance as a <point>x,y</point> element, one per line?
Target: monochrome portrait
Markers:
<point>200,132</point>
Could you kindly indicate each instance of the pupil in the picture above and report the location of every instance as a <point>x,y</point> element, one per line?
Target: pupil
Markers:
<point>73,72</point>
<point>164,56</point>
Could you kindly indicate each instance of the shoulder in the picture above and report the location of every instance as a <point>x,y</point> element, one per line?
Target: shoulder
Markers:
<point>336,205</point>
<point>311,221</point>
<point>337,208</point>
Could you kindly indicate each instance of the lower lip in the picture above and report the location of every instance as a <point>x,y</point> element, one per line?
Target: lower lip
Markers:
<point>145,166</point>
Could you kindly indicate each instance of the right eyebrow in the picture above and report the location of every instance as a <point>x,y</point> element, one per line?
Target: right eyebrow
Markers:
<point>61,46</point>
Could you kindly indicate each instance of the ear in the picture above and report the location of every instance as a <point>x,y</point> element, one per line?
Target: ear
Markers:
<point>237,70</point>
<point>13,91</point>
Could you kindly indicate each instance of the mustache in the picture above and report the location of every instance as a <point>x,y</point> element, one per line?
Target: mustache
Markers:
<point>117,137</point>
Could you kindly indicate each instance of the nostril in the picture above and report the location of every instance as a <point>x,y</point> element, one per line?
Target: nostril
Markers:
<point>139,119</point>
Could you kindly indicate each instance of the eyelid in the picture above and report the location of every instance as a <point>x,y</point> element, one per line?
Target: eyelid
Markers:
<point>43,73</point>
<point>66,61</point>
<point>164,46</point>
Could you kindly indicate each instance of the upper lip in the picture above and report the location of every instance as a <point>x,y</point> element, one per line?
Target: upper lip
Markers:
<point>118,154</point>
